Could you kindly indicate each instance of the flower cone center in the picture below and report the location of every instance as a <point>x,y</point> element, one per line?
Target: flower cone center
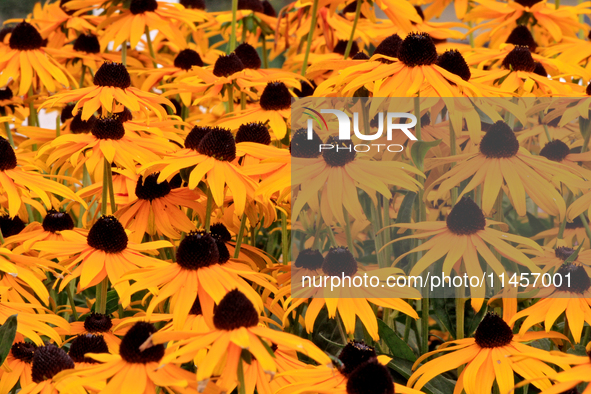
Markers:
<point>235,310</point>
<point>417,49</point>
<point>197,250</point>
<point>341,154</point>
<point>23,351</point>
<point>341,47</point>
<point>195,136</point>
<point>141,6</point>
<point>522,36</point>
<point>220,231</point>
<point>519,59</point>
<point>187,58</point>
<point>248,56</point>
<point>6,93</point>
<point>48,361</point>
<point>97,322</point>
<point>390,47</point>
<point>57,221</point>
<point>555,150</point>
<point>7,155</point>
<point>252,5</point>
<point>227,65</point>
<point>453,61</point>
<point>108,235</point>
<point>88,43</point>
<point>112,74</point>
<point>219,144</point>
<point>354,354</point>
<point>370,377</point>
<point>275,97</point>
<point>25,37</point>
<point>253,132</point>
<point>301,146</point>
<point>574,278</point>
<point>135,337</point>
<point>87,343</point>
<point>493,332</point>
<point>339,261</point>
<point>465,218</point>
<point>149,189</point>
<point>499,141</point>
<point>79,126</point>
<point>108,129</point>
<point>11,226</point>
<point>193,4</point>
<point>310,259</point>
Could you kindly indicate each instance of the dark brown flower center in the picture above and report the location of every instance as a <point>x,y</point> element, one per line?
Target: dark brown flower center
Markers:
<point>6,93</point>
<point>227,65</point>
<point>370,377</point>
<point>23,351</point>
<point>135,337</point>
<point>268,9</point>
<point>11,226</point>
<point>527,3</point>
<point>519,59</point>
<point>25,37</point>
<point>248,56</point>
<point>540,70</point>
<point>87,343</point>
<point>109,128</point>
<point>339,261</point>
<point>195,136</point>
<point>574,278</point>
<point>353,355</point>
<point>222,250</point>
<point>555,150</point>
<point>275,97</point>
<point>56,221</point>
<point>48,361</point>
<point>306,89</point>
<point>341,154</point>
<point>66,113</point>
<point>219,143</point>
<point>522,36</point>
<point>88,43</point>
<point>576,223</point>
<point>149,189</point>
<point>563,252</point>
<point>499,142</point>
<point>108,235</point>
<point>252,5</point>
<point>588,90</point>
<point>235,310</point>
<point>493,332</point>
<point>361,56</point>
<point>310,259</point>
<point>197,250</point>
<point>465,218</point>
<point>79,126</point>
<point>341,47</point>
<point>7,155</point>
<point>193,4</point>
<point>141,6</point>
<point>453,61</point>
<point>112,74</point>
<point>97,323</point>
<point>187,58</point>
<point>301,146</point>
<point>220,231</point>
<point>253,132</point>
<point>390,47</point>
<point>417,49</point>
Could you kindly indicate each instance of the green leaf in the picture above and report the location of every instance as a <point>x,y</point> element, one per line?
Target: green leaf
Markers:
<point>419,151</point>
<point>112,302</point>
<point>7,334</point>
<point>573,256</point>
<point>536,225</point>
<point>442,314</point>
<point>397,346</point>
<point>405,211</point>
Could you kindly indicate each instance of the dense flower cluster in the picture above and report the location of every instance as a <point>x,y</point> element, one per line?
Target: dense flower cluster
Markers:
<point>146,237</point>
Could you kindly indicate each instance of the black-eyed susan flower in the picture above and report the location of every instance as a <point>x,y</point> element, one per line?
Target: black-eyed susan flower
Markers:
<point>105,253</point>
<point>132,370</point>
<point>17,366</point>
<point>499,162</point>
<point>112,84</point>
<point>22,183</point>
<point>157,209</point>
<point>47,362</point>
<point>86,343</point>
<point>571,298</point>
<point>25,58</point>
<point>184,61</point>
<point>99,324</point>
<point>350,303</point>
<point>486,359</point>
<point>130,24</point>
<point>235,329</point>
<point>204,269</point>
<point>213,152</point>
<point>464,235</point>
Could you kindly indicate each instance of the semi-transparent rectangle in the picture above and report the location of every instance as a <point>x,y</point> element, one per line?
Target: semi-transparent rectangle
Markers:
<point>440,197</point>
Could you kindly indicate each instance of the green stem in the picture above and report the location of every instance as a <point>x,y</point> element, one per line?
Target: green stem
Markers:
<point>264,50</point>
<point>310,36</point>
<point>101,296</point>
<point>232,45</point>
<point>424,325</point>
<point>585,127</point>
<point>240,236</point>
<point>58,124</point>
<point>241,385</point>
<point>569,197</point>
<point>151,47</point>
<point>417,102</point>
<point>284,238</point>
<point>104,202</point>
<point>7,127</point>
<point>124,53</point>
<point>453,152</point>
<point>586,225</point>
<point>1,238</point>
<point>230,89</point>
<point>208,209</point>
<point>111,189</point>
<point>352,36</point>
<point>350,244</point>
<point>242,100</point>
<point>82,75</point>
<point>33,121</point>
<point>499,217</point>
<point>71,299</point>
